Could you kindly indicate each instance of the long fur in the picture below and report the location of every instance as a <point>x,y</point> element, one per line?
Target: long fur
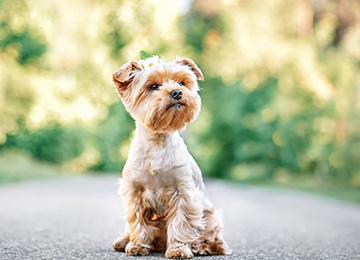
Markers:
<point>167,206</point>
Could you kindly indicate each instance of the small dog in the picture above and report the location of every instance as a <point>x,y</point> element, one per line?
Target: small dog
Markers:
<point>168,209</point>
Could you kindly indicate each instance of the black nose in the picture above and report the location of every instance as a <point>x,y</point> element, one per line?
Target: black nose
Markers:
<point>176,94</point>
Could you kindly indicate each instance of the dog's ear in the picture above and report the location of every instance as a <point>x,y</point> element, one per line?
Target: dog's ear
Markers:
<point>191,65</point>
<point>123,76</point>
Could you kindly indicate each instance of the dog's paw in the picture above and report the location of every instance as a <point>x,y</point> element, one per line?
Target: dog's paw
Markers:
<point>180,251</point>
<point>120,244</point>
<point>200,248</point>
<point>204,247</point>
<point>135,250</point>
<point>218,247</point>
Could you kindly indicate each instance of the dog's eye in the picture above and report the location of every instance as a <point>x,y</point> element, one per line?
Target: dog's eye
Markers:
<point>154,87</point>
<point>182,84</point>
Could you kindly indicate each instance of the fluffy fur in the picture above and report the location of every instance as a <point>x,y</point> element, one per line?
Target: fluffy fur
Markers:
<point>167,206</point>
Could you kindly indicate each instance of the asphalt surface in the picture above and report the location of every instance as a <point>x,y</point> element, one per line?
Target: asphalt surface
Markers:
<point>78,218</point>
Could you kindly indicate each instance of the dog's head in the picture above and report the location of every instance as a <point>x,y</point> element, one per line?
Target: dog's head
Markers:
<point>163,96</point>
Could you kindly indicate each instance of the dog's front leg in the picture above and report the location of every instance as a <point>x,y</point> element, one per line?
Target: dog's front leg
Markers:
<point>184,221</point>
<point>121,242</point>
<point>140,231</point>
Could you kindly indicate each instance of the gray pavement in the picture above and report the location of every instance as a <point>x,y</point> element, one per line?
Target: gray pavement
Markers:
<point>79,217</point>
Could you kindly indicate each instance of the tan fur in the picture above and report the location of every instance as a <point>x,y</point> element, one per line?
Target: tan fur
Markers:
<point>167,206</point>
<point>192,66</point>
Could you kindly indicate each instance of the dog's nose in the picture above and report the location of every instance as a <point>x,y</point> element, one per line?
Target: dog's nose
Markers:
<point>176,94</point>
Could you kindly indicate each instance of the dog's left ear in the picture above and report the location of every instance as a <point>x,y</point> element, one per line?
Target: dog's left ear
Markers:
<point>191,65</point>
<point>123,76</point>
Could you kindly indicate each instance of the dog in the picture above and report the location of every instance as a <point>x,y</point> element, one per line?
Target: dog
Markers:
<point>168,209</point>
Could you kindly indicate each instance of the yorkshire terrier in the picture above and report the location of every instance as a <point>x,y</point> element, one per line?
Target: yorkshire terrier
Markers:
<point>168,209</point>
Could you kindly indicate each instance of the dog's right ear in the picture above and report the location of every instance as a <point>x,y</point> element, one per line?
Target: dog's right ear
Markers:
<point>123,76</point>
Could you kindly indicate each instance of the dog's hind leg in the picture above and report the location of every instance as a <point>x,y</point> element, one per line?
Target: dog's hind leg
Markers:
<point>211,241</point>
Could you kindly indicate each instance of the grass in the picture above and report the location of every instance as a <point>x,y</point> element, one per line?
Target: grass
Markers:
<point>18,166</point>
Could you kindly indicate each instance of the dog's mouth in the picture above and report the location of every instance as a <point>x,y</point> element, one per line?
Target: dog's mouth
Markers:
<point>176,106</point>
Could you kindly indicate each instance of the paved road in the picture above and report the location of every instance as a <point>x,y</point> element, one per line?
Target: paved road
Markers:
<point>78,218</point>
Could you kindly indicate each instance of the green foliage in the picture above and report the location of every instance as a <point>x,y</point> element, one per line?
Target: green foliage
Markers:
<point>55,144</point>
<point>144,55</point>
<point>280,96</point>
<point>27,45</point>
<point>196,26</point>
<point>120,34</point>
<point>26,40</point>
<point>237,127</point>
<point>112,133</point>
<point>19,166</point>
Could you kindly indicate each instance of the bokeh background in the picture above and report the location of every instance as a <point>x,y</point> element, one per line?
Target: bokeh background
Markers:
<point>281,96</point>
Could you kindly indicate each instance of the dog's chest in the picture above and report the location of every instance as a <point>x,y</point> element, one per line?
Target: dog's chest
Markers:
<point>160,164</point>
<point>160,158</point>
<point>156,176</point>
<point>158,169</point>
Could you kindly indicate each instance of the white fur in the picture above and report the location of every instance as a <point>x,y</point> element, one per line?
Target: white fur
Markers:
<point>162,185</point>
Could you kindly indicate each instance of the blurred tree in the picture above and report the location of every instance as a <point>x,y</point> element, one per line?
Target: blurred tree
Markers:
<point>21,45</point>
<point>112,134</point>
<point>292,131</point>
<point>16,35</point>
<point>54,144</point>
<point>281,91</point>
